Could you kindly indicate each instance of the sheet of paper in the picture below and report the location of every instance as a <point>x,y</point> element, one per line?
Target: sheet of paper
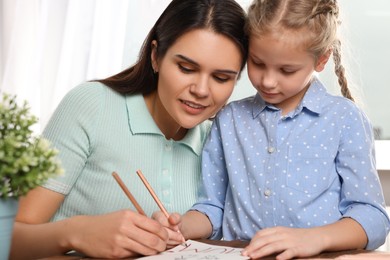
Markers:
<point>197,250</point>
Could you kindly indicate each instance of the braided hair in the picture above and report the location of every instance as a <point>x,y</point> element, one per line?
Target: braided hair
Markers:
<point>315,21</point>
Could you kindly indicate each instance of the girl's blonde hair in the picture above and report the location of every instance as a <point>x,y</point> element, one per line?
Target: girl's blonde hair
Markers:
<point>314,21</point>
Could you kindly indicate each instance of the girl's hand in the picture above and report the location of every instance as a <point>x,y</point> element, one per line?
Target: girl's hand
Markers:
<point>117,235</point>
<point>286,242</point>
<point>172,225</point>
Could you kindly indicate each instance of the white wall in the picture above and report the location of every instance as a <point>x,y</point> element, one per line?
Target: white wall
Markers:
<point>366,40</point>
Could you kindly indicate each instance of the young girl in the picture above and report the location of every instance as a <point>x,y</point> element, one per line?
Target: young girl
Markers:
<point>292,168</point>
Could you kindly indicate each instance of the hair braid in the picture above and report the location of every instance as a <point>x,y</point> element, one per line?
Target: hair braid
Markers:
<point>325,8</point>
<point>340,71</point>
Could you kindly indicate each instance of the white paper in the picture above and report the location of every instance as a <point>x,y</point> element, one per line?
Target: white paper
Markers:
<point>197,250</point>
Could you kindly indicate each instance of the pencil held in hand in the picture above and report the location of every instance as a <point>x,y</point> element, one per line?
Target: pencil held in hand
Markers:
<point>128,193</point>
<point>156,199</point>
<point>151,191</point>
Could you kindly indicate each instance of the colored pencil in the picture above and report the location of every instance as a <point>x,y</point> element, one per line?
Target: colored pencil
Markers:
<point>151,191</point>
<point>156,199</point>
<point>128,193</point>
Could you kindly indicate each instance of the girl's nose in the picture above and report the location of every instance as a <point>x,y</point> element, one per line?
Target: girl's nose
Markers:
<point>269,80</point>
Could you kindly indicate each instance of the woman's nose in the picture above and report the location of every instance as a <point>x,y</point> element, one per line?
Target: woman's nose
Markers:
<point>200,88</point>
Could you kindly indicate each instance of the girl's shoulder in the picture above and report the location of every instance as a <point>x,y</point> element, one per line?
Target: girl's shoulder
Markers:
<point>341,103</point>
<point>347,110</point>
<point>240,104</point>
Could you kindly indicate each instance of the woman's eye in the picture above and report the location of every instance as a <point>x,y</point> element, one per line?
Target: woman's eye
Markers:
<point>185,69</point>
<point>221,79</point>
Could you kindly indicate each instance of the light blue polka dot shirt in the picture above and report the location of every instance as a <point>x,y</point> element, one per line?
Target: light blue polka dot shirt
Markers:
<point>309,168</point>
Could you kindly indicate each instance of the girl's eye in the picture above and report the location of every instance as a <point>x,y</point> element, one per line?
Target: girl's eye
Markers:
<point>287,72</point>
<point>258,63</point>
<point>185,69</point>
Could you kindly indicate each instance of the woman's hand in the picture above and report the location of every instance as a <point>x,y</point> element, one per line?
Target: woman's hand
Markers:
<point>116,235</point>
<point>172,225</point>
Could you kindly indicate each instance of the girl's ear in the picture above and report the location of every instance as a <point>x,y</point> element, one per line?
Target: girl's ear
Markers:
<point>153,57</point>
<point>322,60</point>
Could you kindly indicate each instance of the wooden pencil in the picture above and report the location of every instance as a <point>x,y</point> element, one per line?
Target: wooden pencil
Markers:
<point>128,193</point>
<point>157,200</point>
<point>151,191</point>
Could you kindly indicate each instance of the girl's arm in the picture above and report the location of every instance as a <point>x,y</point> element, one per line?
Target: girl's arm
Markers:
<point>192,225</point>
<point>202,229</point>
<point>115,235</point>
<point>344,234</point>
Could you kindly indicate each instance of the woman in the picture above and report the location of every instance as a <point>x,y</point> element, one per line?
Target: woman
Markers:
<point>151,116</point>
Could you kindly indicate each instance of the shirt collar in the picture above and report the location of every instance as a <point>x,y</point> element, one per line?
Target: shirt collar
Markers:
<point>311,101</point>
<point>141,122</point>
<point>259,105</point>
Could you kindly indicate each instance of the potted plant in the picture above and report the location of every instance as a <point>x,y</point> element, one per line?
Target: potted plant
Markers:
<point>26,161</point>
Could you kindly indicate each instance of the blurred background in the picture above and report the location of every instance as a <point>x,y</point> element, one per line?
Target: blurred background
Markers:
<point>48,47</point>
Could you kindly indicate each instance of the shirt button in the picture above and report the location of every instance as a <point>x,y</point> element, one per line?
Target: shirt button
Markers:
<point>168,147</point>
<point>165,172</point>
<point>271,149</point>
<point>267,192</point>
<point>166,193</point>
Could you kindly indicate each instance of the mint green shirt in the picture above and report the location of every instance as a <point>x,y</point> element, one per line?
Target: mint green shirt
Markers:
<point>98,131</point>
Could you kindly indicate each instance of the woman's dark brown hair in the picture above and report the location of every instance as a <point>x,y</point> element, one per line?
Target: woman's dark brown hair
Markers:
<point>225,17</point>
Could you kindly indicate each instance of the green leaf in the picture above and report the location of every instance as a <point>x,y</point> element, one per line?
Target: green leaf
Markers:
<point>26,160</point>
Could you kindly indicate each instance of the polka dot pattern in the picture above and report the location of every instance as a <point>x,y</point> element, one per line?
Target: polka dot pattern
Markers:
<point>306,169</point>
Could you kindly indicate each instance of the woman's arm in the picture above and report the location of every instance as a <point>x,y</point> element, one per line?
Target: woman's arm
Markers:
<point>119,234</point>
<point>31,237</point>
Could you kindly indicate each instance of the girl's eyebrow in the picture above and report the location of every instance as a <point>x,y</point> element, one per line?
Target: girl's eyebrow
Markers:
<point>197,65</point>
<point>285,65</point>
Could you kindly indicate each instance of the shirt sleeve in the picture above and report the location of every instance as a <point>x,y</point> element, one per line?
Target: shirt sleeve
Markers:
<point>212,194</point>
<point>71,129</point>
<point>361,196</point>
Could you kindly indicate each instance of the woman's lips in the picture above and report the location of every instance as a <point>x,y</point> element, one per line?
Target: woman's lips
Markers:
<point>192,108</point>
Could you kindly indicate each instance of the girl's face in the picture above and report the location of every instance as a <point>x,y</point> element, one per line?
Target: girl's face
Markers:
<point>196,78</point>
<point>281,69</point>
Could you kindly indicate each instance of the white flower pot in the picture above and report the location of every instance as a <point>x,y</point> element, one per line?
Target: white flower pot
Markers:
<point>8,209</point>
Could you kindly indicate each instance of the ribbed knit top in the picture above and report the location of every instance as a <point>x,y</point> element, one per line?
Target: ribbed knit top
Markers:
<point>98,131</point>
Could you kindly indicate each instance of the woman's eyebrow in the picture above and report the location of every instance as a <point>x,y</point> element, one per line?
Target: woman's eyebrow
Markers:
<point>187,59</point>
<point>197,64</point>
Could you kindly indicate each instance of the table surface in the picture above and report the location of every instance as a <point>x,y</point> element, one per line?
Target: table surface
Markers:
<point>342,255</point>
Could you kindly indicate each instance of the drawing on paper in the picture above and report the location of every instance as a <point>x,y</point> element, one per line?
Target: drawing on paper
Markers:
<point>194,250</point>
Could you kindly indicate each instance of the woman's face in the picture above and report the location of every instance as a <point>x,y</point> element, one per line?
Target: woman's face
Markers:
<point>196,78</point>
